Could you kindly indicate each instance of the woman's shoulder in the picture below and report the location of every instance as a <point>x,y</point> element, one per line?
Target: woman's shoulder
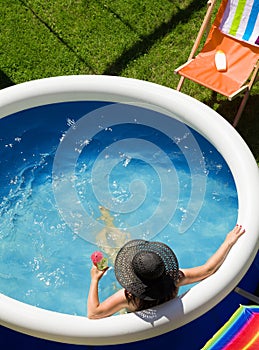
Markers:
<point>180,278</point>
<point>180,275</point>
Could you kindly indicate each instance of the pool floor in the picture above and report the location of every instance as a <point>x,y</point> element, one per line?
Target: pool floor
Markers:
<point>147,172</point>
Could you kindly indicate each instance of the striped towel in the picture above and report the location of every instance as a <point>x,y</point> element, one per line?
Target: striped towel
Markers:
<point>241,331</point>
<point>241,20</point>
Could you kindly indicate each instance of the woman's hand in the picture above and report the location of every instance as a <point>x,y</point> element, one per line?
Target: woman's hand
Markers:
<point>234,235</point>
<point>198,273</point>
<point>97,274</point>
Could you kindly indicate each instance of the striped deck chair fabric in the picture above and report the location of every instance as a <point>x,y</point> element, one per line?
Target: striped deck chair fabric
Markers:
<point>240,20</point>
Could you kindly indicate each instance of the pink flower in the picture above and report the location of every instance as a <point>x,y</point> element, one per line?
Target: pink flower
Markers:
<point>99,261</point>
<point>96,257</point>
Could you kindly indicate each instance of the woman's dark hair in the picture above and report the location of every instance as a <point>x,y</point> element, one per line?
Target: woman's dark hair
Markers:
<point>142,304</point>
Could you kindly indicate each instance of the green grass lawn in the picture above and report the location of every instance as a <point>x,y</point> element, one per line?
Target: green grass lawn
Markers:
<point>142,39</point>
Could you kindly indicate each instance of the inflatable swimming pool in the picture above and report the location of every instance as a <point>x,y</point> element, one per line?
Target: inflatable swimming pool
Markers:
<point>201,297</point>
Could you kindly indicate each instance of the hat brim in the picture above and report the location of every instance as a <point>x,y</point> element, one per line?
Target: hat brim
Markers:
<point>132,283</point>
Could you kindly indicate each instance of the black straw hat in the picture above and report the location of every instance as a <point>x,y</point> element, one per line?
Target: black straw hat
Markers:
<point>146,269</point>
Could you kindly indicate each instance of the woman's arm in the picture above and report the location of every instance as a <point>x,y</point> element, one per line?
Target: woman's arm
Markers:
<point>198,273</point>
<point>113,304</point>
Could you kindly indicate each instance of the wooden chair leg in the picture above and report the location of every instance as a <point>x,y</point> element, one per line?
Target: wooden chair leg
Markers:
<point>253,80</point>
<point>241,108</point>
<point>180,84</point>
<point>204,27</point>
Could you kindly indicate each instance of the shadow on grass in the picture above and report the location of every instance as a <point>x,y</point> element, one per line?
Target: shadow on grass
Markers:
<point>139,48</point>
<point>248,126</point>
<point>53,32</point>
<point>146,42</point>
<point>5,81</point>
<point>115,14</point>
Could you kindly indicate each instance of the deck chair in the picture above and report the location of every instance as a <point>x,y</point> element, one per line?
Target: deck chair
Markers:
<point>235,31</point>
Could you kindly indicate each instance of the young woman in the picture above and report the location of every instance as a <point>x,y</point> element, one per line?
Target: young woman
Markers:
<point>150,275</point>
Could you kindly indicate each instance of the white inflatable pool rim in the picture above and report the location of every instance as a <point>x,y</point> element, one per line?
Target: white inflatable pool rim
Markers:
<point>200,298</point>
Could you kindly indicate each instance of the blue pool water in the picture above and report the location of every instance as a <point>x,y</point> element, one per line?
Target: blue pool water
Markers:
<point>159,179</point>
